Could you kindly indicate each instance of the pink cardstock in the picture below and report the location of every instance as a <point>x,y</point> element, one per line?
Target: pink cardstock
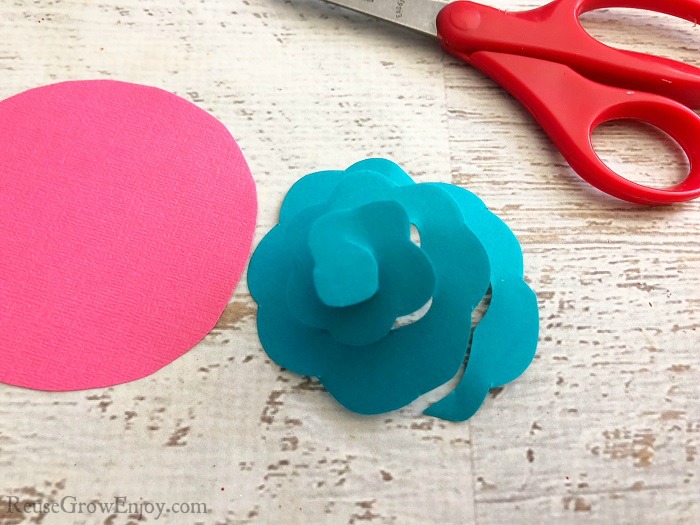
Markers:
<point>126,218</point>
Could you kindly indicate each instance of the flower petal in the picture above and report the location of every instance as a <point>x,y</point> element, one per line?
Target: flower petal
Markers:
<point>312,190</point>
<point>505,340</point>
<point>385,168</point>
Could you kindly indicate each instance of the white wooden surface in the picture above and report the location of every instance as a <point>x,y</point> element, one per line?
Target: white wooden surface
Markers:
<point>603,428</point>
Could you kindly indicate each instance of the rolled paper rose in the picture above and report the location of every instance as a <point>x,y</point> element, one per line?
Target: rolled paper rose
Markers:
<point>332,278</point>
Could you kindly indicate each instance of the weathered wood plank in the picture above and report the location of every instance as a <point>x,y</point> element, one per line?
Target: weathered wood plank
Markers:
<point>603,428</point>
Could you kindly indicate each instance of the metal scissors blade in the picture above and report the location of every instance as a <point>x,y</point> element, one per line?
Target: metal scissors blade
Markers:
<point>418,15</point>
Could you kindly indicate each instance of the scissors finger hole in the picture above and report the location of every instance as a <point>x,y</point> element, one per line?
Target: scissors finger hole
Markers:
<point>641,152</point>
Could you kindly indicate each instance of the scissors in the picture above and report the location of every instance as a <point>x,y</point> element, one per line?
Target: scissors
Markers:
<point>570,82</point>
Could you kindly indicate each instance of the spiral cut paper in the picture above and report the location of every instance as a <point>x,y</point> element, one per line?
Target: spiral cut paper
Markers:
<point>332,278</point>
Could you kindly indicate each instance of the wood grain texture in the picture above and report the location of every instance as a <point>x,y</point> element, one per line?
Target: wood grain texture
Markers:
<point>603,428</point>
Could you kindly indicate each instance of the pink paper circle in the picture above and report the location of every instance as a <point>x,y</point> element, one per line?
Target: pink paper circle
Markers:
<point>126,219</point>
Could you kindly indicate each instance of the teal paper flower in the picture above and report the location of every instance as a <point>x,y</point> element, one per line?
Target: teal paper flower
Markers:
<point>340,268</point>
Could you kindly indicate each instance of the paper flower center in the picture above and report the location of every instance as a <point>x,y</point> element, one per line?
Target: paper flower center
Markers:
<point>355,254</point>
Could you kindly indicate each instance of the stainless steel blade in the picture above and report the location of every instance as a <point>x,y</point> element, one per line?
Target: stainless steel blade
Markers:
<point>418,15</point>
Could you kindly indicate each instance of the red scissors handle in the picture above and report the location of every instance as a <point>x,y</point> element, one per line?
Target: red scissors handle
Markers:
<point>571,94</point>
<point>569,107</point>
<point>553,32</point>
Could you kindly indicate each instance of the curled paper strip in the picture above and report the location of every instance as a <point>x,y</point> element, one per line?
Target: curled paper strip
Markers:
<point>339,269</point>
